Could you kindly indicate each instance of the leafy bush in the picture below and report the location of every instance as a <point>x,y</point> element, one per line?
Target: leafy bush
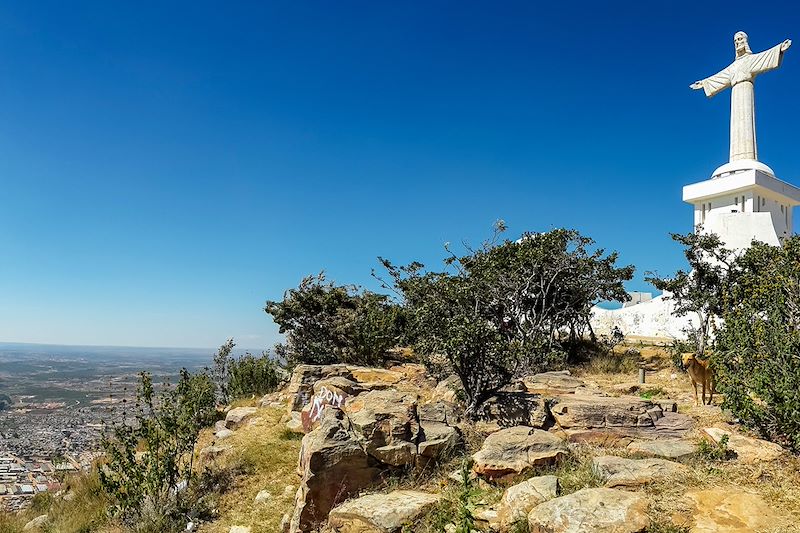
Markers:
<point>506,309</point>
<point>756,357</point>
<point>326,323</point>
<point>248,375</point>
<point>150,459</point>
<point>714,451</point>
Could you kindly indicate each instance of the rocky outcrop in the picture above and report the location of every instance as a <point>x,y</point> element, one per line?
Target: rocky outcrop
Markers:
<point>730,510</point>
<point>554,383</point>
<point>514,450</point>
<point>380,513</point>
<point>622,472</point>
<point>384,418</point>
<point>604,412</point>
<point>518,500</point>
<point>333,466</point>
<point>591,510</point>
<point>509,409</point>
<point>748,450</point>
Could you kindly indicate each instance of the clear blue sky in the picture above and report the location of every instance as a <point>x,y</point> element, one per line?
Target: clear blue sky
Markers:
<point>165,167</point>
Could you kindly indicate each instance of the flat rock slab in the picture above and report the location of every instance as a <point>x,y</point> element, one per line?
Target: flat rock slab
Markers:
<point>509,409</point>
<point>518,500</point>
<point>730,510</point>
<point>591,511</point>
<point>677,449</point>
<point>561,382</point>
<point>237,416</point>
<point>605,412</point>
<point>622,472</point>
<point>514,450</point>
<point>747,449</point>
<point>380,513</point>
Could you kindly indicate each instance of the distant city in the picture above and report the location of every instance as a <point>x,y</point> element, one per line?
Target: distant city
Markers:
<point>55,402</point>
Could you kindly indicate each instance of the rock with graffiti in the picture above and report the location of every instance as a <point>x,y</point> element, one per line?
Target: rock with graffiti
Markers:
<point>323,398</point>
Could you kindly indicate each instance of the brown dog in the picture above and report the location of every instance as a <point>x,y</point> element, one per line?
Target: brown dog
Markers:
<point>700,373</point>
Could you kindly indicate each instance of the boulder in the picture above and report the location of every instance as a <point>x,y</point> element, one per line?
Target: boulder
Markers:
<point>517,501</point>
<point>437,439</point>
<point>240,529</point>
<point>381,513</point>
<point>514,450</point>
<point>604,412</point>
<point>375,378</point>
<point>301,384</point>
<point>263,496</point>
<point>591,510</point>
<point>384,418</point>
<point>37,523</point>
<point>748,450</point>
<point>676,449</point>
<point>223,434</point>
<point>730,510</point>
<point>238,415</point>
<point>333,466</point>
<point>622,472</point>
<point>549,383</point>
<point>448,390</point>
<point>509,409</point>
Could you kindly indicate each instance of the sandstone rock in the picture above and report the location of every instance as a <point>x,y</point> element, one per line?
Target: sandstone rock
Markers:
<point>263,496</point>
<point>295,422</point>
<point>223,434</point>
<point>380,513</point>
<point>730,510</point>
<point>457,476</point>
<point>333,466</point>
<point>512,451</point>
<point>605,437</point>
<point>604,412</point>
<point>37,523</point>
<point>237,416</point>
<point>509,409</point>
<point>288,490</point>
<point>447,390</point>
<point>621,472</point>
<point>219,425</point>
<point>339,384</point>
<point>383,417</point>
<point>399,454</point>
<point>375,378</point>
<point>553,382</point>
<point>747,449</point>
<point>488,517</point>
<point>437,439</point>
<point>668,448</point>
<point>439,411</point>
<point>240,529</point>
<point>301,384</point>
<point>517,501</point>
<point>591,510</point>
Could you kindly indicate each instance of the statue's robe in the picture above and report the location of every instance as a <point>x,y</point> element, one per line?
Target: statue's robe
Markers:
<point>739,75</point>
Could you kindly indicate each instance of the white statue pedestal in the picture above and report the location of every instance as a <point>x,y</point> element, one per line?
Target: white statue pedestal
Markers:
<point>744,201</point>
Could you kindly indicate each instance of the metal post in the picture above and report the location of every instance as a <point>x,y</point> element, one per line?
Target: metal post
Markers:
<point>641,375</point>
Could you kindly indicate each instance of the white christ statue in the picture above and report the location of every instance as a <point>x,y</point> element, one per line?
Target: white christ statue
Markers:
<point>739,75</point>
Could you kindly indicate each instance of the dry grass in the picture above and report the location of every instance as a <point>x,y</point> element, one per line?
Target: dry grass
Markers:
<point>264,457</point>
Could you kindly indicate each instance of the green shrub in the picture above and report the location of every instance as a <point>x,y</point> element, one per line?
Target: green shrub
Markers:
<point>244,376</point>
<point>756,360</point>
<point>325,323</point>
<point>714,451</point>
<point>149,461</point>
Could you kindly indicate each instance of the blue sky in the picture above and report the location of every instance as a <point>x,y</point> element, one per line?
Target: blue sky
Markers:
<point>166,167</point>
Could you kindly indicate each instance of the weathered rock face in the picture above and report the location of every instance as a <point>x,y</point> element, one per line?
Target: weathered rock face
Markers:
<point>677,449</point>
<point>237,416</point>
<point>591,510</point>
<point>512,451</point>
<point>380,513</point>
<point>517,501</point>
<point>605,412</point>
<point>621,472</point>
<point>550,383</point>
<point>747,450</point>
<point>301,384</point>
<point>333,466</point>
<point>509,409</point>
<point>730,510</point>
<point>384,418</point>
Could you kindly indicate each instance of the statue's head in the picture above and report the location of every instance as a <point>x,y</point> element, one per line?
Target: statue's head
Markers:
<point>740,43</point>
